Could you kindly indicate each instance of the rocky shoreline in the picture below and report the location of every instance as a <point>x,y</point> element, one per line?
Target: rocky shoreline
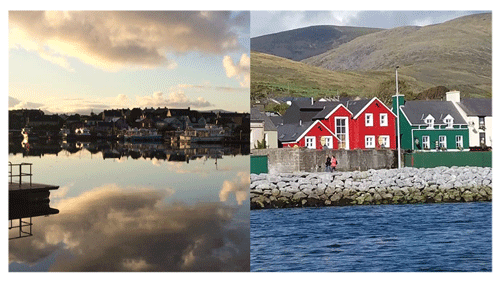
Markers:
<point>372,187</point>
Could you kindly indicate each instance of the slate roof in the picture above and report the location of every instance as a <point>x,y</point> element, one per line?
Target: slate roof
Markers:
<point>257,116</point>
<point>355,106</point>
<point>277,120</point>
<point>476,107</point>
<point>290,132</point>
<point>418,110</point>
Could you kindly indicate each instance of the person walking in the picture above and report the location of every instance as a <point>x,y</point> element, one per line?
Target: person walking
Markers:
<point>328,164</point>
<point>334,163</point>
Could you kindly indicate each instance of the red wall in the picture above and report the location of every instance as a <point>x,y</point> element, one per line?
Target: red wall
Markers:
<point>359,130</point>
<point>315,132</point>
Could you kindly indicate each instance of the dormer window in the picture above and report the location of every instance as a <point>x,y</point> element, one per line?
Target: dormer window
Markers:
<point>429,120</point>
<point>448,120</point>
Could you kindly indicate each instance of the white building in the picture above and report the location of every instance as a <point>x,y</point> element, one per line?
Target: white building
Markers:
<point>478,114</point>
<point>262,128</point>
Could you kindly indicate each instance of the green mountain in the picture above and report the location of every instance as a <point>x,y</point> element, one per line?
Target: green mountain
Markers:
<point>302,43</point>
<point>455,54</point>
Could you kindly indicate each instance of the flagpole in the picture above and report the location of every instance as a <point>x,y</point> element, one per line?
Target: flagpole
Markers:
<point>397,106</point>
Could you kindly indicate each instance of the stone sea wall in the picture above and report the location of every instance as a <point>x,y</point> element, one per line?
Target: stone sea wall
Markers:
<point>393,186</point>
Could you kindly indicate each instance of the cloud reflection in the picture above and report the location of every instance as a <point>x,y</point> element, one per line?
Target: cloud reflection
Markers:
<point>131,229</point>
<point>240,186</point>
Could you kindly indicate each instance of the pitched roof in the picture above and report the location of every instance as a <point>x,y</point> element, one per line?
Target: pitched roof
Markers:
<point>476,107</point>
<point>293,132</point>
<point>416,111</point>
<point>257,116</point>
<point>355,106</point>
<point>290,132</point>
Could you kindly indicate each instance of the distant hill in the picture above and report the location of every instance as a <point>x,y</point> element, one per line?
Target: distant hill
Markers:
<point>302,43</point>
<point>456,54</point>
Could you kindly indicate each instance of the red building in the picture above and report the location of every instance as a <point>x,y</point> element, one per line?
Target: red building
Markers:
<point>358,124</point>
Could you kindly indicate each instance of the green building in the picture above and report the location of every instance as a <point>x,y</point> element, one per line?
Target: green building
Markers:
<point>431,125</point>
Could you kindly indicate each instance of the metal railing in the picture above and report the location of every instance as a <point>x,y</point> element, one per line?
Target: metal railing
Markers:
<point>21,233</point>
<point>21,174</point>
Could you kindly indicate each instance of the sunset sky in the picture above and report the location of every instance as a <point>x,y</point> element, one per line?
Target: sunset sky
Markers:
<point>83,61</point>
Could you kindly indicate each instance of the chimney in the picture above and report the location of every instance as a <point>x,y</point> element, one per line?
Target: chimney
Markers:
<point>453,96</point>
<point>312,100</point>
<point>300,122</point>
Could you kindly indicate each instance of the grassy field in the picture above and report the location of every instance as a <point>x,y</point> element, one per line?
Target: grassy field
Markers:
<point>275,76</point>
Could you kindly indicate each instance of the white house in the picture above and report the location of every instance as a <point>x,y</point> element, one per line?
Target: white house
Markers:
<point>478,114</point>
<point>262,128</point>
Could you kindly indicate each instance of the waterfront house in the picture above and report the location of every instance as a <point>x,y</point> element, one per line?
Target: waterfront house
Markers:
<point>311,134</point>
<point>262,128</point>
<point>431,125</point>
<point>477,112</point>
<point>349,124</point>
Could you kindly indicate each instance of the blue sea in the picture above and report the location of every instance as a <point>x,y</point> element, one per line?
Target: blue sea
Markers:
<point>384,238</point>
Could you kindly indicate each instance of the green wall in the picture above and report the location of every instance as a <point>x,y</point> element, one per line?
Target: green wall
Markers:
<point>448,159</point>
<point>434,136</point>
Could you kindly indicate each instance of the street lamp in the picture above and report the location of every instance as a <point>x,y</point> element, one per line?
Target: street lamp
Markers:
<point>397,106</point>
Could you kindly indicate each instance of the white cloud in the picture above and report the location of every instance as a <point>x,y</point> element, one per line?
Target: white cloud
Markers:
<point>240,71</point>
<point>113,40</point>
<point>176,98</point>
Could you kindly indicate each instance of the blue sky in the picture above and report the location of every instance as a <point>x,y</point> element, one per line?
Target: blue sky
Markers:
<point>82,61</point>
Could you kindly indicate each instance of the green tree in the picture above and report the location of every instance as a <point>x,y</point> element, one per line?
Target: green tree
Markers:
<point>387,89</point>
<point>261,144</point>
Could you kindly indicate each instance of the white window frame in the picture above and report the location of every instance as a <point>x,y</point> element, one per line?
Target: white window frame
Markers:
<point>459,141</point>
<point>448,121</point>
<point>329,141</point>
<point>369,141</point>
<point>346,134</point>
<point>386,141</point>
<point>430,122</point>
<point>384,121</point>
<point>426,142</point>
<point>442,141</point>
<point>369,119</point>
<point>310,142</point>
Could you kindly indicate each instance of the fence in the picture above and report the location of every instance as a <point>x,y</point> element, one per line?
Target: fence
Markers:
<point>448,159</point>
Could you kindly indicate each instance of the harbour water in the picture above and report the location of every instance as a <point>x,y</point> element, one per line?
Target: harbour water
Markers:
<point>137,208</point>
<point>384,238</point>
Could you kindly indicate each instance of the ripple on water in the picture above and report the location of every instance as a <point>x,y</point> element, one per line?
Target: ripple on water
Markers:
<point>428,237</point>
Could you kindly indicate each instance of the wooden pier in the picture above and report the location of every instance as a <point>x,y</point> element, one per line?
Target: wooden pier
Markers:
<point>27,200</point>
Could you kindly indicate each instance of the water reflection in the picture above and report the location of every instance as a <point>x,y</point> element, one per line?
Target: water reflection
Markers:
<point>118,150</point>
<point>137,207</point>
<point>113,228</point>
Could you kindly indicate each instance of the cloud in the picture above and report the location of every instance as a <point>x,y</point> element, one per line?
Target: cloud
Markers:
<point>18,104</point>
<point>131,229</point>
<point>175,99</point>
<point>240,71</point>
<point>239,186</point>
<point>113,40</point>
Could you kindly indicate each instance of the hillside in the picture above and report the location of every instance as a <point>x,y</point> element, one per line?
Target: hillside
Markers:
<point>456,54</point>
<point>276,76</point>
<point>302,43</point>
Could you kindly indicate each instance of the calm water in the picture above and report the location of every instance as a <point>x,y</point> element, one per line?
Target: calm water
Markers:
<point>430,237</point>
<point>138,213</point>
